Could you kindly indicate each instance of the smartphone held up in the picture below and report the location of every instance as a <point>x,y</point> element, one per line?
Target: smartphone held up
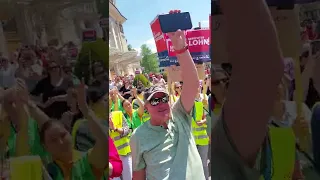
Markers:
<point>175,21</point>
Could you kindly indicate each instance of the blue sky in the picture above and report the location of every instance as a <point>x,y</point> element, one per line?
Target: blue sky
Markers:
<point>140,13</point>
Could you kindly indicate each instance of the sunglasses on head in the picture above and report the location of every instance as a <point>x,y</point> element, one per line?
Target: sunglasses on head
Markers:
<point>156,101</point>
<point>219,81</point>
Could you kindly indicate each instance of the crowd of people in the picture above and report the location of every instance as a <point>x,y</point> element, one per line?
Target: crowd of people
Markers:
<point>219,127</point>
<point>42,102</point>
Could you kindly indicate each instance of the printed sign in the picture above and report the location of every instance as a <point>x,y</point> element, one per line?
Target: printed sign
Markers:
<point>89,35</point>
<point>26,167</point>
<point>288,29</point>
<point>174,72</point>
<point>210,27</point>
<point>104,22</point>
<point>158,36</point>
<point>198,43</point>
<point>73,52</point>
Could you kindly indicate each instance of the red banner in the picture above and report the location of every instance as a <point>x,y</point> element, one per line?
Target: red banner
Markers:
<point>210,26</point>
<point>158,36</point>
<point>197,40</point>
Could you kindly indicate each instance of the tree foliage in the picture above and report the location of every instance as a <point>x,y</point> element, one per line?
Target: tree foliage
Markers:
<point>143,79</point>
<point>130,48</point>
<point>96,51</point>
<point>149,60</point>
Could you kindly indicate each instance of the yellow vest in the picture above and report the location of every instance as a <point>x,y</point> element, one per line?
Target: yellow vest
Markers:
<point>282,142</point>
<point>122,143</point>
<point>199,132</point>
<point>75,129</point>
<point>145,117</point>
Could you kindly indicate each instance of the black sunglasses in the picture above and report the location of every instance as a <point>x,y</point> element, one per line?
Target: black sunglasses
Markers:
<point>156,101</point>
<point>219,81</point>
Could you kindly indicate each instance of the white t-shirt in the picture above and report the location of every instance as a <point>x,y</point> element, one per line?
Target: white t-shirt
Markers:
<point>7,76</point>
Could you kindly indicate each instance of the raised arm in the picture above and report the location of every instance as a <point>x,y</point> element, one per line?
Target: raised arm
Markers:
<point>253,50</point>
<point>34,111</point>
<point>188,69</point>
<point>98,157</point>
<point>141,104</point>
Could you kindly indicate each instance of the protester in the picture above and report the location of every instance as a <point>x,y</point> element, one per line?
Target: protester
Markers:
<point>91,165</point>
<point>53,92</point>
<point>133,117</point>
<point>125,90</point>
<point>199,129</point>
<point>169,128</point>
<point>8,69</point>
<point>119,131</point>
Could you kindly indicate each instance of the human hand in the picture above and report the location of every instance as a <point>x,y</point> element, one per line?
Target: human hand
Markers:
<point>200,123</point>
<point>110,169</point>
<point>177,38</point>
<point>205,101</point>
<point>9,95</point>
<point>67,118</point>
<point>81,97</point>
<point>22,91</point>
<point>48,102</point>
<point>111,125</point>
<point>134,91</point>
<point>301,131</point>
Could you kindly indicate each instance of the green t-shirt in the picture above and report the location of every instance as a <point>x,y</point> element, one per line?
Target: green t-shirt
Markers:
<point>81,170</point>
<point>167,153</point>
<point>35,144</point>
<point>119,106</point>
<point>135,121</point>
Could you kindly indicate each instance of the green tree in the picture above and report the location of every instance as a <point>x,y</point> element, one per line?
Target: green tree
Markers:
<point>149,60</point>
<point>130,48</point>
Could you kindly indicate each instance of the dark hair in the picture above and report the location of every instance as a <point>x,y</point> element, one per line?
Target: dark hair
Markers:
<point>122,102</point>
<point>221,70</point>
<point>96,93</point>
<point>47,125</point>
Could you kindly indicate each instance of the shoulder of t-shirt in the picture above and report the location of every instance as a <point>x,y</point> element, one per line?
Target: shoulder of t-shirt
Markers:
<point>141,132</point>
<point>225,152</point>
<point>178,108</point>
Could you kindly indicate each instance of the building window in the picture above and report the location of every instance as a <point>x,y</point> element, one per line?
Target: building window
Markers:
<point>121,28</point>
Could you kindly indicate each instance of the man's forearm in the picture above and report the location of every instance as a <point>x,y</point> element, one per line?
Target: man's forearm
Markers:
<point>188,70</point>
<point>250,21</point>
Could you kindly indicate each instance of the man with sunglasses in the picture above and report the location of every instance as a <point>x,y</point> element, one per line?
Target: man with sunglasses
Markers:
<point>163,147</point>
